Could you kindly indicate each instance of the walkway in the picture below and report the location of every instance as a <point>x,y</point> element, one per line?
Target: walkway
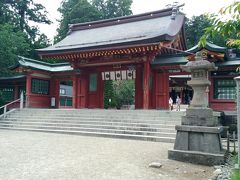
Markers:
<point>33,155</point>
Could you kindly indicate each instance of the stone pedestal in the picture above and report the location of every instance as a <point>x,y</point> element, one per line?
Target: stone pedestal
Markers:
<point>198,145</point>
<point>198,137</point>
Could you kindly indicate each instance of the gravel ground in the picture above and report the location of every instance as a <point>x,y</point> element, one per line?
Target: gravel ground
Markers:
<point>33,155</point>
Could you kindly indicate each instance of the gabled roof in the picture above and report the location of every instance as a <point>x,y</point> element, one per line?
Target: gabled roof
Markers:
<point>209,46</point>
<point>229,62</point>
<point>177,59</point>
<point>181,58</point>
<point>44,66</point>
<point>147,28</point>
<point>13,78</point>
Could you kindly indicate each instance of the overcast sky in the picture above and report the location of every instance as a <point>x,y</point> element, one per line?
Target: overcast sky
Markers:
<point>191,8</point>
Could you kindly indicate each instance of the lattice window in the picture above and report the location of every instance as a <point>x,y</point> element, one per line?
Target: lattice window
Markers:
<point>7,93</point>
<point>40,86</point>
<point>224,89</point>
<point>93,82</point>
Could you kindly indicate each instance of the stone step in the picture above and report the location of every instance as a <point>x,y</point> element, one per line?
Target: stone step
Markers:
<point>138,127</point>
<point>22,118</point>
<point>98,116</point>
<point>149,125</point>
<point>97,113</point>
<point>160,124</point>
<point>115,114</point>
<point>93,130</point>
<point>99,110</point>
<point>108,135</point>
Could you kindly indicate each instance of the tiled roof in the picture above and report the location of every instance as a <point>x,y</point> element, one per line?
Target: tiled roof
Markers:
<point>152,27</point>
<point>34,64</point>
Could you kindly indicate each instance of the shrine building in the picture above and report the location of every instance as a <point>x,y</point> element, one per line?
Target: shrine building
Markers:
<point>147,48</point>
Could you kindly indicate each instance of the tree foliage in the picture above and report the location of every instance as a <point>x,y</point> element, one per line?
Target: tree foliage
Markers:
<point>75,11</point>
<point>118,93</point>
<point>124,92</point>
<point>17,36</point>
<point>20,12</point>
<point>80,11</point>
<point>195,28</point>
<point>117,8</point>
<point>109,98</point>
<point>226,24</point>
<point>12,43</point>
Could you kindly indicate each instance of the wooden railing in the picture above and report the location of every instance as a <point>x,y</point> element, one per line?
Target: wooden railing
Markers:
<point>5,112</point>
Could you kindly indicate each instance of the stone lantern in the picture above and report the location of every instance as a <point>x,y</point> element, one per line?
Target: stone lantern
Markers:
<point>198,137</point>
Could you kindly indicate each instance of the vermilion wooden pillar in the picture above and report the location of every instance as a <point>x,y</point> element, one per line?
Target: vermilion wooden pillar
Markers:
<point>75,92</point>
<point>146,82</point>
<point>16,96</point>
<point>82,91</point>
<point>162,90</point>
<point>28,89</point>
<point>57,89</point>
<point>52,90</point>
<point>101,91</point>
<point>138,88</point>
<point>153,94</point>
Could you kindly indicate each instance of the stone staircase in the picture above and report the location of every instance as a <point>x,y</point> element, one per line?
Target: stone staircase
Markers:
<point>149,125</point>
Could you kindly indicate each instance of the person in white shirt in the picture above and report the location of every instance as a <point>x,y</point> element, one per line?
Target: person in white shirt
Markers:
<point>178,102</point>
<point>170,101</point>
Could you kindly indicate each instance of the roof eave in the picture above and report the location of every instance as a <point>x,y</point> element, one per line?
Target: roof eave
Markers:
<point>196,48</point>
<point>145,42</point>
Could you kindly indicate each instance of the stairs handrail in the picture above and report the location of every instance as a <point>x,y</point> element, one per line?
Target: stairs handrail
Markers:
<point>4,107</point>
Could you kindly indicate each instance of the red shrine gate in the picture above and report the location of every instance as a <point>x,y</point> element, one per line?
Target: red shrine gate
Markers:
<point>143,47</point>
<point>112,45</point>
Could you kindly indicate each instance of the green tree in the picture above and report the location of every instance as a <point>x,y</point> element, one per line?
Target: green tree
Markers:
<point>124,92</point>
<point>6,14</point>
<point>226,24</point>
<point>40,42</point>
<point>75,11</point>
<point>20,12</point>
<point>117,8</point>
<point>16,35</point>
<point>100,5</point>
<point>80,11</point>
<point>12,43</point>
<point>109,98</point>
<point>195,28</point>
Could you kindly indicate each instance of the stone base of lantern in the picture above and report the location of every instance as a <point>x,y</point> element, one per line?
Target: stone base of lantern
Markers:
<point>196,157</point>
<point>199,116</point>
<point>198,145</point>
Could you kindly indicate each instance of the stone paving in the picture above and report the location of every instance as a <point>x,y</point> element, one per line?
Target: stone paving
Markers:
<point>41,156</point>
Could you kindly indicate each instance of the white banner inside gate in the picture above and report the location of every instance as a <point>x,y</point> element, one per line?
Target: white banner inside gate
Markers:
<point>119,75</point>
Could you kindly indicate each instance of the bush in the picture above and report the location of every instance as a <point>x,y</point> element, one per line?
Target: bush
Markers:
<point>109,94</point>
<point>236,175</point>
<point>124,92</point>
<point>120,93</point>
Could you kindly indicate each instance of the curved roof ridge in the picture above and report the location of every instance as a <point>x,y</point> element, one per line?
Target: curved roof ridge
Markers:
<point>122,19</point>
<point>210,46</point>
<point>41,62</point>
<point>147,28</point>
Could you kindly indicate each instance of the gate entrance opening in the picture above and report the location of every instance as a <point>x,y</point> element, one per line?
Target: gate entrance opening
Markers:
<point>119,89</point>
<point>66,94</point>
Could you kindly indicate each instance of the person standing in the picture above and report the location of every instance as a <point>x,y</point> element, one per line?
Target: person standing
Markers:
<point>178,102</point>
<point>170,101</point>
